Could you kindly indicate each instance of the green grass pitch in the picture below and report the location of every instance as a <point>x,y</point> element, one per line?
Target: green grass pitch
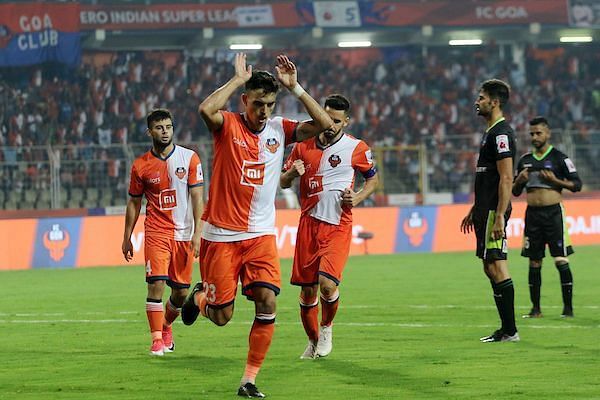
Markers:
<point>407,328</point>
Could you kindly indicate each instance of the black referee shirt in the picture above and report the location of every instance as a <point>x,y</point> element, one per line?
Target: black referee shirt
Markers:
<point>553,160</point>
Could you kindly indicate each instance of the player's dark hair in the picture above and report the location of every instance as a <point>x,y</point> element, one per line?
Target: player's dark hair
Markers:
<point>497,89</point>
<point>262,80</point>
<point>539,120</point>
<point>158,115</point>
<point>338,102</point>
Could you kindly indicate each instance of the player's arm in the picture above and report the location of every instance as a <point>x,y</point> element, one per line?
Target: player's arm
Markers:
<point>196,195</point>
<point>521,179</point>
<point>505,170</point>
<point>352,199</point>
<point>287,74</point>
<point>210,108</point>
<point>132,213</point>
<point>295,170</point>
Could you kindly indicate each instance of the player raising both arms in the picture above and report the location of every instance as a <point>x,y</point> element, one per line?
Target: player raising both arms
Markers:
<point>238,241</point>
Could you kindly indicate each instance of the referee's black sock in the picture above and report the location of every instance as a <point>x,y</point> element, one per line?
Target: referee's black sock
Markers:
<point>535,285</point>
<point>566,282</point>
<point>506,290</point>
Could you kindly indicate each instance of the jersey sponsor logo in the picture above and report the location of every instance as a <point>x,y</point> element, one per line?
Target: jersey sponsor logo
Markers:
<point>167,199</point>
<point>272,145</point>
<point>199,173</point>
<point>253,173</point>
<point>180,172</point>
<point>527,165</point>
<point>56,241</point>
<point>502,144</point>
<point>315,185</point>
<point>415,227</point>
<point>547,165</point>
<point>570,165</point>
<point>153,180</point>
<point>480,169</point>
<point>240,142</point>
<point>334,160</point>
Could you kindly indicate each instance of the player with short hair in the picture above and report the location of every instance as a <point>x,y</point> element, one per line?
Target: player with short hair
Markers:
<point>490,213</point>
<point>544,173</point>
<point>171,178</point>
<point>238,242</point>
<point>326,166</point>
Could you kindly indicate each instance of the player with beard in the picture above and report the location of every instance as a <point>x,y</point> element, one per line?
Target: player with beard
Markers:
<point>171,178</point>
<point>544,173</point>
<point>489,214</point>
<point>326,166</point>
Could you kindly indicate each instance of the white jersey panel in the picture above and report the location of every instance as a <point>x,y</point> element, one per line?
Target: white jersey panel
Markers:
<point>183,216</point>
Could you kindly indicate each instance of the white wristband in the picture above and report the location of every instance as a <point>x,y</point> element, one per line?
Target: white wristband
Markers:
<point>298,90</point>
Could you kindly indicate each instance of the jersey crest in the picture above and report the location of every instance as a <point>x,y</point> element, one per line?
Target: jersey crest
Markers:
<point>272,145</point>
<point>180,172</point>
<point>334,160</point>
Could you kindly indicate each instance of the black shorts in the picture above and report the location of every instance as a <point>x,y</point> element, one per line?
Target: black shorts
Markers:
<point>489,249</point>
<point>546,225</point>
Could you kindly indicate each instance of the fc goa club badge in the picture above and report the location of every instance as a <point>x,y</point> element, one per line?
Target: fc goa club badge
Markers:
<point>334,160</point>
<point>272,145</point>
<point>180,172</point>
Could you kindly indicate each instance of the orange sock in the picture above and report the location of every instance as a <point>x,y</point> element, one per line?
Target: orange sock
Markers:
<point>171,314</point>
<point>201,302</point>
<point>309,314</point>
<point>260,340</point>
<point>154,312</point>
<point>329,307</point>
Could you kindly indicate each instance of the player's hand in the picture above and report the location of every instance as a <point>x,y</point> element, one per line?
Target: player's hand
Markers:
<point>287,73</point>
<point>523,177</point>
<point>196,238</point>
<point>466,226</point>
<point>297,169</point>
<point>242,71</point>
<point>498,228</point>
<point>350,198</point>
<point>548,176</point>
<point>127,248</point>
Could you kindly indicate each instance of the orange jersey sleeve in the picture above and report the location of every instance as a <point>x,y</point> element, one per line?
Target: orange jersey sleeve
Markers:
<point>136,186</point>
<point>362,160</point>
<point>195,176</point>
<point>289,128</point>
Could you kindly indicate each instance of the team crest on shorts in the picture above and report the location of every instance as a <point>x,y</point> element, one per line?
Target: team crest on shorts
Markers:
<point>272,145</point>
<point>180,172</point>
<point>334,160</point>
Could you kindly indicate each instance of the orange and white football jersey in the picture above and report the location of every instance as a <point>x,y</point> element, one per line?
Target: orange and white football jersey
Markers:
<point>245,174</point>
<point>328,172</point>
<point>165,183</point>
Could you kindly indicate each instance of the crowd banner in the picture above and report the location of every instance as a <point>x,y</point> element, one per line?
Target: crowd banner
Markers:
<point>325,14</point>
<point>34,33</point>
<point>75,242</point>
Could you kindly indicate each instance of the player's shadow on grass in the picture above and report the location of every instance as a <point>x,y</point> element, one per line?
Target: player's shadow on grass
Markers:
<point>380,377</point>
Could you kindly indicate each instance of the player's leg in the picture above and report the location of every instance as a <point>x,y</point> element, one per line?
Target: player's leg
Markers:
<point>560,247</point>
<point>534,248</point>
<point>535,287</point>
<point>157,253</point>
<point>493,252</point>
<point>180,277</point>
<point>305,270</point>
<point>335,247</point>
<point>261,280</point>
<point>214,296</point>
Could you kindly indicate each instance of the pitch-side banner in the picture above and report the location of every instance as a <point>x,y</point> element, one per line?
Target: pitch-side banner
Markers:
<point>34,33</point>
<point>64,242</point>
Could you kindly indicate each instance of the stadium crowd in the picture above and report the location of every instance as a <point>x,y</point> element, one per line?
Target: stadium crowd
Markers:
<point>400,96</point>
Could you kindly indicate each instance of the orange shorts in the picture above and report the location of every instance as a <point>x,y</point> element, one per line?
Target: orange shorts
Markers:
<point>321,249</point>
<point>168,260</point>
<point>254,262</point>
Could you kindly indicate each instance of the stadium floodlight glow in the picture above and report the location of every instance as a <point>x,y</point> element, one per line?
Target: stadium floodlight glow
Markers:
<point>465,42</point>
<point>247,46</point>
<point>576,39</point>
<point>355,43</point>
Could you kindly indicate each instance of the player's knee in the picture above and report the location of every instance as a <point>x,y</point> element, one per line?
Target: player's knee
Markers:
<point>156,289</point>
<point>178,296</point>
<point>222,316</point>
<point>560,261</point>
<point>535,263</point>
<point>308,294</point>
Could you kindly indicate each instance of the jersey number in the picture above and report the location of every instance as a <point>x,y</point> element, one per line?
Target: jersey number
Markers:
<point>210,290</point>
